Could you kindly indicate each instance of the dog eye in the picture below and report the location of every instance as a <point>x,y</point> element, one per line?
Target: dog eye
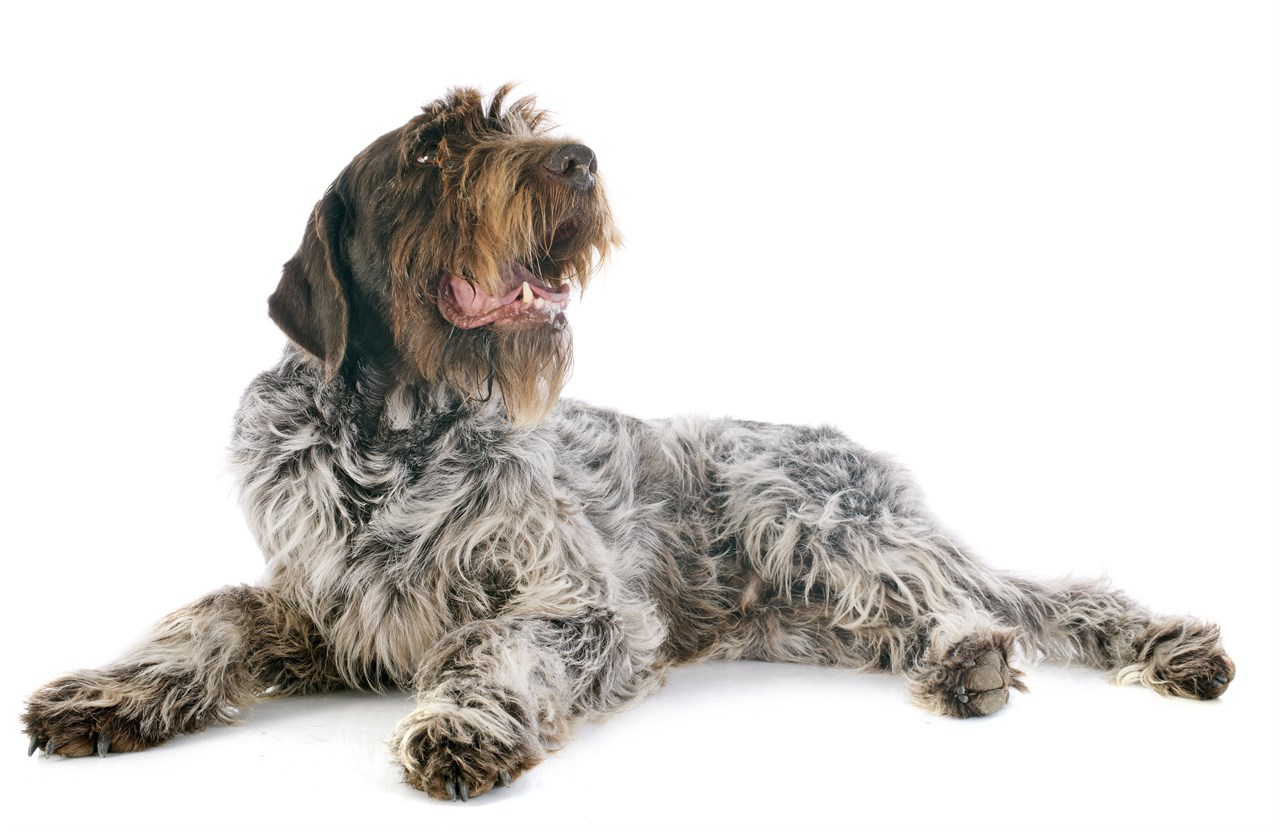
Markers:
<point>428,158</point>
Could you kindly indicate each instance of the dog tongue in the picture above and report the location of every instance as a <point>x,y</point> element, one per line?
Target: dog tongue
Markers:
<point>470,301</point>
<point>467,306</point>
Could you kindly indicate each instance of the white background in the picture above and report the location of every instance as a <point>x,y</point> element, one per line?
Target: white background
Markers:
<point>1031,249</point>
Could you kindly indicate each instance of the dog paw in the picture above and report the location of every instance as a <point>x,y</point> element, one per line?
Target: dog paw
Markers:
<point>983,684</point>
<point>453,752</point>
<point>1181,657</point>
<point>84,714</point>
<point>972,678</point>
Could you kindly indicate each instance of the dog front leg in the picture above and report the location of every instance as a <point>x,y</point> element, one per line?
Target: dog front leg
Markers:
<point>496,695</point>
<point>199,665</point>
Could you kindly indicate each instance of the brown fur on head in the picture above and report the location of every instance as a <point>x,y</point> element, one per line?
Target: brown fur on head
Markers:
<point>426,233</point>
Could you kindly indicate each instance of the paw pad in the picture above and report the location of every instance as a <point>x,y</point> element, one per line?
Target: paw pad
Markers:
<point>984,683</point>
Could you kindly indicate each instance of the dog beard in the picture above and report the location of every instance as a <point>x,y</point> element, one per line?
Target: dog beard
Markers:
<point>527,365</point>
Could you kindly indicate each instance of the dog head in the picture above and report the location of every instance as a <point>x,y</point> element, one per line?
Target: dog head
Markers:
<point>446,252</point>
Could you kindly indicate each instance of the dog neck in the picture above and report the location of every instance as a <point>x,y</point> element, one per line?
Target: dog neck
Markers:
<point>381,396</point>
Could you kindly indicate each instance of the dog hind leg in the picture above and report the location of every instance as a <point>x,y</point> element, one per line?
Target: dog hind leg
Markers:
<point>1087,622</point>
<point>965,671</point>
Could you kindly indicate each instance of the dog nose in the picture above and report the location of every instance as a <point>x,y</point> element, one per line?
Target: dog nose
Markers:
<point>576,163</point>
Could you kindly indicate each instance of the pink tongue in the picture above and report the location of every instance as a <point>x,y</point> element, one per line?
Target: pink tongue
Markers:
<point>467,306</point>
<point>471,300</point>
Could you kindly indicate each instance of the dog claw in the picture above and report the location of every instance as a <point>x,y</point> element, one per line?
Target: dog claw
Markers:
<point>463,793</point>
<point>50,748</point>
<point>103,744</point>
<point>33,745</point>
<point>963,697</point>
<point>450,788</point>
<point>504,779</point>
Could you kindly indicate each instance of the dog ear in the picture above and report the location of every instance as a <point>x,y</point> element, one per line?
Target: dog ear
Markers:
<point>310,304</point>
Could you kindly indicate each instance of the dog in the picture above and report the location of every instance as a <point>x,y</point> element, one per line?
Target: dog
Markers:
<point>434,517</point>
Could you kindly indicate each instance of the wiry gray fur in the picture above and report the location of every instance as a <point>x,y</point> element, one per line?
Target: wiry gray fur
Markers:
<point>521,579</point>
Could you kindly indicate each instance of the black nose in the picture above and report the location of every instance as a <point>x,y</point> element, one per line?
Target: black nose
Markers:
<point>576,163</point>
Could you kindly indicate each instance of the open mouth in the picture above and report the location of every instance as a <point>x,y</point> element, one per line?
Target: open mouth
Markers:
<point>525,301</point>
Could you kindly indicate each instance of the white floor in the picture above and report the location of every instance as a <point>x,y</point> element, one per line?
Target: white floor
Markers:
<point>724,746</point>
<point>1031,249</point>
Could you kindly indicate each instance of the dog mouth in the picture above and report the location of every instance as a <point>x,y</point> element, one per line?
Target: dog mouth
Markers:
<point>525,301</point>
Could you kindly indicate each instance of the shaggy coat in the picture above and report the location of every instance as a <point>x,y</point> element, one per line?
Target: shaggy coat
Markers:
<point>433,517</point>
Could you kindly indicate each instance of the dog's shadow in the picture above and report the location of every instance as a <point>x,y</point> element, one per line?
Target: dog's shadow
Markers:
<point>736,703</point>
<point>735,708</point>
<point>711,699</point>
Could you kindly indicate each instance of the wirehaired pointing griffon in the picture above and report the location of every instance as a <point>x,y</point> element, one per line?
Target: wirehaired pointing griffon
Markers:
<point>433,517</point>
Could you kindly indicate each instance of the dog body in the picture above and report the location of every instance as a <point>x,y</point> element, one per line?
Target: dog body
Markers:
<point>435,518</point>
<point>698,538</point>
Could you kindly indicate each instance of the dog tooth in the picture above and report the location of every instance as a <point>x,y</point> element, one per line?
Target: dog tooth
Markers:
<point>538,303</point>
<point>528,293</point>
